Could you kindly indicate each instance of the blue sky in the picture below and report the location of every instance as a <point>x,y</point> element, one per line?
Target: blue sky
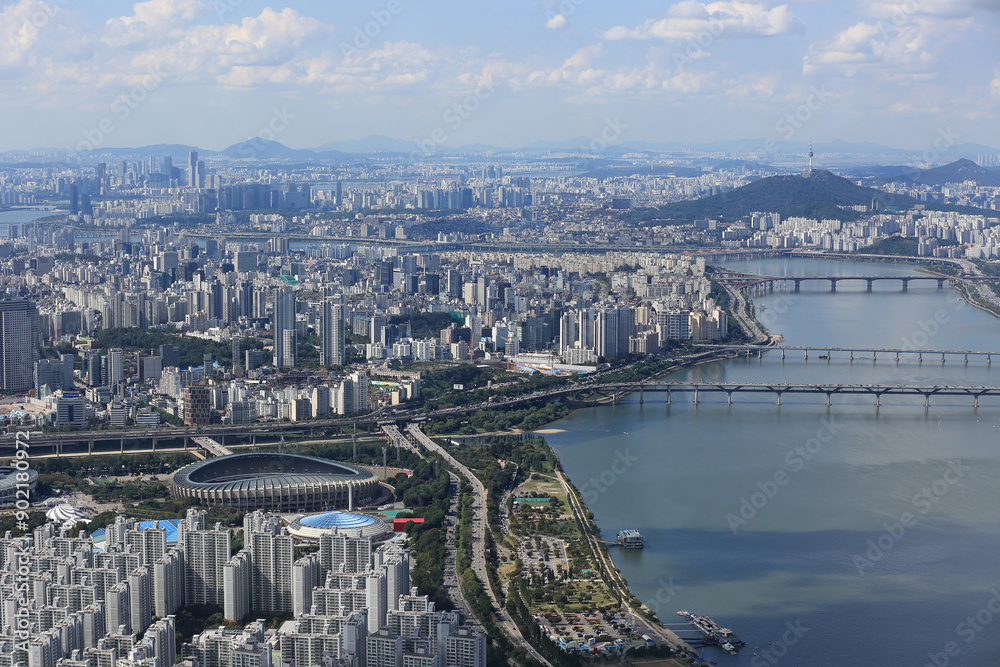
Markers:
<point>215,72</point>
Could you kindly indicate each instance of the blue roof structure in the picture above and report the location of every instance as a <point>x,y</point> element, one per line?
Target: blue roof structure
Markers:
<point>329,520</point>
<point>169,526</point>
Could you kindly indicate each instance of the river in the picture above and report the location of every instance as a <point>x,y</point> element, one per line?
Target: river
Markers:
<point>846,535</point>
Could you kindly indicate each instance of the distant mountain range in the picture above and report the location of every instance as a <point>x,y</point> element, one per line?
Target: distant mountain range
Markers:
<point>820,195</point>
<point>956,172</point>
<point>752,149</point>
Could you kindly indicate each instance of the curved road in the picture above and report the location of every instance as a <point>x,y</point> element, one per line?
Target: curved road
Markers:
<point>479,543</point>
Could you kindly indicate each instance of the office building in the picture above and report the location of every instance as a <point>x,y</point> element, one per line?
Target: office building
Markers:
<point>19,338</point>
<point>197,405</point>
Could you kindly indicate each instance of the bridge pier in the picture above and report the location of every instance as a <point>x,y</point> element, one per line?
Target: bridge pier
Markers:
<point>805,355</point>
<point>729,398</point>
<point>874,357</point>
<point>940,283</point>
<point>897,357</point>
<point>640,395</point>
<point>906,284</point>
<point>870,282</point>
<point>123,445</point>
<point>668,396</point>
<point>927,400</point>
<point>988,361</point>
<point>878,400</point>
<point>798,285</point>
<point>696,395</point>
<point>779,398</point>
<point>852,356</point>
<point>976,404</point>
<point>966,358</point>
<point>782,355</point>
<point>90,446</point>
<point>154,444</point>
<point>920,358</point>
<point>833,285</point>
<point>942,357</point>
<point>828,395</point>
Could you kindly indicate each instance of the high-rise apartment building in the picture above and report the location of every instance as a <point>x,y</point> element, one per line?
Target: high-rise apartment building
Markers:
<point>206,553</point>
<point>284,328</point>
<point>332,334</point>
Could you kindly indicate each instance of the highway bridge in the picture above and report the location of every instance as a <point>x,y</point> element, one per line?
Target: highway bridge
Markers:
<point>828,390</point>
<point>862,353</point>
<point>71,443</point>
<point>744,280</point>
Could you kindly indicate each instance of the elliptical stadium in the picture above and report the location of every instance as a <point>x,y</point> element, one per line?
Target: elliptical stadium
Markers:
<point>275,482</point>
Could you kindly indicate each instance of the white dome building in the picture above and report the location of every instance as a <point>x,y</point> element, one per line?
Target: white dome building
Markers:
<point>66,515</point>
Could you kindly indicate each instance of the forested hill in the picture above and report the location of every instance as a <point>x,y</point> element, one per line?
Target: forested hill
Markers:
<point>819,196</point>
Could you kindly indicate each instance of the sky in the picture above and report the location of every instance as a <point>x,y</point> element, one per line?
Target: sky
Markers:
<point>212,73</point>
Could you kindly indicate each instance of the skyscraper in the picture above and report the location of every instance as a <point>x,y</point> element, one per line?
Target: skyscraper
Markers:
<point>284,328</point>
<point>332,334</point>
<point>102,178</point>
<point>116,366</point>
<point>193,169</point>
<point>607,330</point>
<point>18,344</point>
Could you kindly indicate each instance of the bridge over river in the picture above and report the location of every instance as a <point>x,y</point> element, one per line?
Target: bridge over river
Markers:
<point>828,390</point>
<point>745,280</point>
<point>862,353</point>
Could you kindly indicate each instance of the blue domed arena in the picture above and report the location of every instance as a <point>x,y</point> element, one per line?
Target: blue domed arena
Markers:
<point>314,526</point>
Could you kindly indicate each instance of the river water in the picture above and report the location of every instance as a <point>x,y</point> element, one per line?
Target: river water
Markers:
<point>874,533</point>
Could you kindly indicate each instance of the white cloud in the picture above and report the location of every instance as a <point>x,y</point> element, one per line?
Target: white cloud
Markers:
<point>556,22</point>
<point>34,32</point>
<point>393,67</point>
<point>899,10</point>
<point>258,50</point>
<point>154,20</point>
<point>896,51</point>
<point>690,19</point>
<point>995,85</point>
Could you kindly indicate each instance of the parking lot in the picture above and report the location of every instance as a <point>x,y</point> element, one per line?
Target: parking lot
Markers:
<point>608,631</point>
